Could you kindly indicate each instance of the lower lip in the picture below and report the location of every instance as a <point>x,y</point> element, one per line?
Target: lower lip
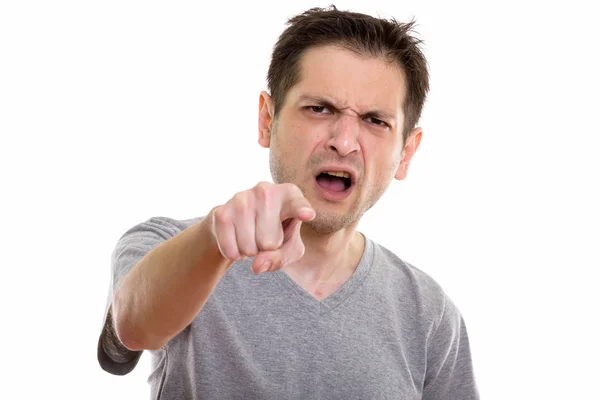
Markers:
<point>331,195</point>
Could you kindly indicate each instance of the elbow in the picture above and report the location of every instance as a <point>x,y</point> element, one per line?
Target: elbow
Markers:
<point>140,344</point>
<point>134,338</point>
<point>131,333</point>
<point>129,339</point>
<point>126,333</point>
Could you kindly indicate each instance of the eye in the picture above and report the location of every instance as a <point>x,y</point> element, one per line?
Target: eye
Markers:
<point>376,121</point>
<point>319,109</point>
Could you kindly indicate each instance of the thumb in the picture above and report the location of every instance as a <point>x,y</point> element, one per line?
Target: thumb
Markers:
<point>291,250</point>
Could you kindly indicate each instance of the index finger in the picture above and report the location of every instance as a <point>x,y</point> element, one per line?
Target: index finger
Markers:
<point>295,205</point>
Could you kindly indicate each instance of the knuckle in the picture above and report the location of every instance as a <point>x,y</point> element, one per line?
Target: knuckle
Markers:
<point>238,197</point>
<point>269,244</point>
<point>230,254</point>
<point>248,250</point>
<point>227,247</point>
<point>263,186</point>
<point>262,191</point>
<point>221,216</point>
<point>242,201</point>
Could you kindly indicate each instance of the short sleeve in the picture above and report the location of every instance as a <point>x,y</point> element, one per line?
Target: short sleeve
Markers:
<point>131,247</point>
<point>449,372</point>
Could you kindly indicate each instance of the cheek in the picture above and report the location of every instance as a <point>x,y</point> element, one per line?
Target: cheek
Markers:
<point>382,165</point>
<point>303,138</point>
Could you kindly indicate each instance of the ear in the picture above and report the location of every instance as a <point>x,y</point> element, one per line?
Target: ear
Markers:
<point>410,148</point>
<point>265,119</point>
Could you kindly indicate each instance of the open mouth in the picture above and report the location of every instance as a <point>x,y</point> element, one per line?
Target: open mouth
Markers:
<point>334,181</point>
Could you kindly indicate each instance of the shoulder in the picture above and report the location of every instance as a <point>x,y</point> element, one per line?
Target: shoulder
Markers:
<point>147,234</point>
<point>162,227</point>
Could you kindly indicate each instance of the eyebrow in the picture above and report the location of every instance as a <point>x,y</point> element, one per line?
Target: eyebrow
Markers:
<point>323,102</point>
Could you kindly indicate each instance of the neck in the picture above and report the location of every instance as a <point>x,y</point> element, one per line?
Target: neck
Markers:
<point>327,257</point>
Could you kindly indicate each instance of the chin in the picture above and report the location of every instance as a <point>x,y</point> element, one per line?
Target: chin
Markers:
<point>330,222</point>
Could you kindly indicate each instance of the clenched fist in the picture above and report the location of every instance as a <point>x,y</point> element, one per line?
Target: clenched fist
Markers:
<point>264,223</point>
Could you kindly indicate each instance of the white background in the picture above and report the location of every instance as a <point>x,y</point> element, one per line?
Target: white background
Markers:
<point>112,112</point>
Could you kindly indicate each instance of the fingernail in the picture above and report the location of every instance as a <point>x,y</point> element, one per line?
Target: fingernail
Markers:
<point>265,267</point>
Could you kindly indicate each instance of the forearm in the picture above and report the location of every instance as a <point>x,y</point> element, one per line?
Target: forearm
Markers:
<point>163,293</point>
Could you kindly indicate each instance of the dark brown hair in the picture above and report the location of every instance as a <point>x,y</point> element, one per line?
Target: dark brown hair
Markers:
<point>360,33</point>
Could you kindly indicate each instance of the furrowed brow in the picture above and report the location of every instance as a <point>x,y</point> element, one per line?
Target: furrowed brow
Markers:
<point>323,102</point>
<point>381,115</point>
<point>316,100</point>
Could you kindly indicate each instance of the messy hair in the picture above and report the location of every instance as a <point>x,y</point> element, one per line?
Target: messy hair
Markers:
<point>363,34</point>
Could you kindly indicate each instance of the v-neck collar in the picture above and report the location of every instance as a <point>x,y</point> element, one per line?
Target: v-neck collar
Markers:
<point>321,307</point>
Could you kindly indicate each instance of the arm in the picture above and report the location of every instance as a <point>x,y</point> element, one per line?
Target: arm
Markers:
<point>163,276</point>
<point>112,355</point>
<point>449,372</point>
<point>167,288</point>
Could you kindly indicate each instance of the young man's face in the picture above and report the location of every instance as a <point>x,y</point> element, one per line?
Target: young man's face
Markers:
<point>344,115</point>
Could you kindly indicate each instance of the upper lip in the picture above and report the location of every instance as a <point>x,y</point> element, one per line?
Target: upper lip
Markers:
<point>339,168</point>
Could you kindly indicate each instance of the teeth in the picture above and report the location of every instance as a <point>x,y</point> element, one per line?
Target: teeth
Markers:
<point>340,174</point>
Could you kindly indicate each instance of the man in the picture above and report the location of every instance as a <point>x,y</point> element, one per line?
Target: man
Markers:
<point>274,294</point>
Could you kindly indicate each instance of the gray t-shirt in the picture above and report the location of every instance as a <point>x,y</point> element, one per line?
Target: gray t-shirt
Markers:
<point>389,332</point>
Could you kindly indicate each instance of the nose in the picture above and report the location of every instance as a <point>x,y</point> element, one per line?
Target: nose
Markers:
<point>344,134</point>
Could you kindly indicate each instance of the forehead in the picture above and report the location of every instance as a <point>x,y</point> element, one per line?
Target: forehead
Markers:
<point>359,81</point>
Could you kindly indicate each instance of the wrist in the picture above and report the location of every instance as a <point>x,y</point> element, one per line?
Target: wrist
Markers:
<point>205,234</point>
